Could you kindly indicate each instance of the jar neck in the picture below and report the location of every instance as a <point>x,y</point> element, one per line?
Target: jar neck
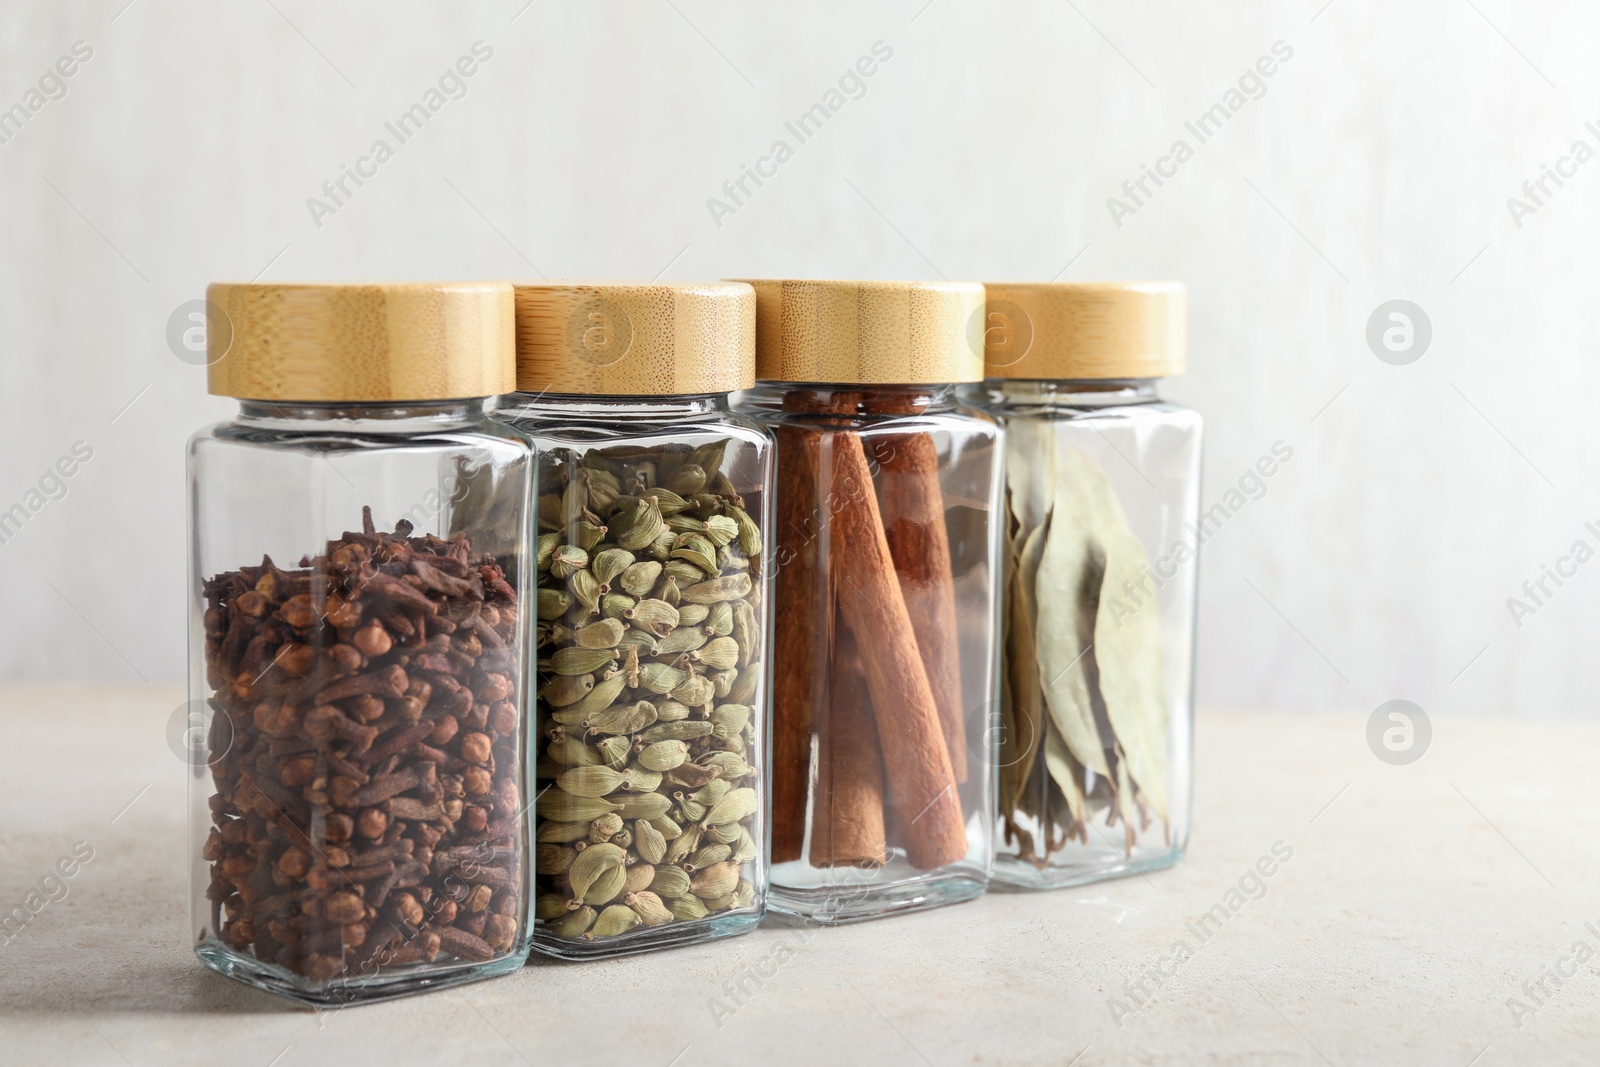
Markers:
<point>621,408</point>
<point>387,416</point>
<point>850,398</point>
<point>1072,392</point>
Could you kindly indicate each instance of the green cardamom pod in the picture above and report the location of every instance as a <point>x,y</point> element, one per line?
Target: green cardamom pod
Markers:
<point>640,875</point>
<point>695,691</point>
<point>746,631</point>
<point>670,882</point>
<point>720,529</point>
<point>687,572</point>
<point>692,614</point>
<point>660,678</point>
<point>685,730</point>
<point>719,619</point>
<point>667,501</point>
<point>655,616</point>
<point>683,639</point>
<point>669,590</point>
<point>707,855</point>
<point>666,827</point>
<point>684,844</point>
<point>588,534</point>
<point>639,578</point>
<point>572,752</point>
<point>691,811</point>
<point>566,689</point>
<point>624,838</point>
<point>561,806</point>
<point>728,720</point>
<point>744,849</point>
<point>581,660</point>
<point>695,549</point>
<point>640,780</point>
<point>738,804</point>
<point>728,765</point>
<point>600,698</point>
<point>550,512</point>
<point>731,561</point>
<point>731,587</point>
<point>717,880</point>
<point>688,908</point>
<point>743,691</point>
<point>715,904</point>
<point>567,561</point>
<point>744,895</point>
<point>614,750</point>
<point>592,863</point>
<point>661,547</point>
<point>585,590</point>
<point>687,479</point>
<point>749,533</point>
<point>603,490</point>
<point>649,908</point>
<point>562,832</point>
<point>602,634</point>
<point>553,859</point>
<point>685,523</point>
<point>649,842</point>
<point>671,711</point>
<point>726,832</point>
<point>609,563</point>
<point>553,603</point>
<point>615,605</point>
<point>640,805</point>
<point>615,920</point>
<point>721,654</point>
<point>574,500</point>
<point>711,792</point>
<point>623,718</point>
<point>574,924</point>
<point>547,548</point>
<point>594,781</point>
<point>722,682</point>
<point>605,827</point>
<point>663,755</point>
<point>551,906</point>
<point>691,775</point>
<point>637,523</point>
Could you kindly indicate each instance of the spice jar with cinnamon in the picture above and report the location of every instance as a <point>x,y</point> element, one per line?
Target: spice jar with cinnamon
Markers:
<point>887,571</point>
<point>654,568</point>
<point>360,653</point>
<point>1103,528</point>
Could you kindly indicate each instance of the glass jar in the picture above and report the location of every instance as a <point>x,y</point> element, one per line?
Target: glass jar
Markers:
<point>653,563</point>
<point>1102,510</point>
<point>887,579</point>
<point>358,650</point>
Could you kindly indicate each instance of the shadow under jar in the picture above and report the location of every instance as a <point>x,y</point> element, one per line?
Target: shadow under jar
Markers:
<point>1102,534</point>
<point>654,574</point>
<point>359,650</point>
<point>887,567</point>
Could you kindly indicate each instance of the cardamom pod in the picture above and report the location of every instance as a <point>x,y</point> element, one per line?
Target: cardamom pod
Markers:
<point>585,590</point>
<point>655,616</point>
<point>692,614</point>
<point>738,804</point>
<point>671,711</point>
<point>746,631</point>
<point>640,805</point>
<point>562,832</point>
<point>553,603</point>
<point>731,587</point>
<point>614,750</point>
<point>669,590</point>
<point>660,678</point>
<point>686,572</point>
<point>743,691</point>
<point>586,535</point>
<point>639,877</point>
<point>683,639</point>
<point>728,765</point>
<point>614,605</point>
<point>615,920</point>
<point>639,578</point>
<point>744,849</point>
<point>553,859</point>
<point>719,619</point>
<point>648,840</point>
<point>665,827</point>
<point>688,908</point>
<point>605,827</point>
<point>687,479</point>
<point>722,682</point>
<point>649,907</point>
<point>568,560</point>
<point>697,550</point>
<point>550,906</point>
<point>572,752</point>
<point>670,882</point>
<point>684,844</point>
<point>574,923</point>
<point>686,730</point>
<point>602,634</point>
<point>566,689</point>
<point>720,529</point>
<point>667,502</point>
<point>717,880</point>
<point>608,885</point>
<point>623,718</point>
<point>600,698</point>
<point>574,501</point>
<point>547,547</point>
<point>695,691</point>
<point>720,653</point>
<point>591,864</point>
<point>711,792</point>
<point>707,855</point>
<point>573,660</point>
<point>663,755</point>
<point>562,806</point>
<point>728,720</point>
<point>691,775</point>
<point>749,533</point>
<point>640,780</point>
<point>637,523</point>
<point>594,781</point>
<point>744,895</point>
<point>609,563</point>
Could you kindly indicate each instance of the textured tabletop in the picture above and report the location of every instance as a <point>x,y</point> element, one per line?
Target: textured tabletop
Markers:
<point>1426,914</point>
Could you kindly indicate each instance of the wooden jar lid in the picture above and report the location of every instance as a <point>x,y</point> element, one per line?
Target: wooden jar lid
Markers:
<point>635,340</point>
<point>1085,330</point>
<point>878,333</point>
<point>359,342</point>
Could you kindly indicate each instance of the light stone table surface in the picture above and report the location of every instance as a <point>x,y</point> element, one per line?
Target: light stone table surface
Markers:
<point>1417,902</point>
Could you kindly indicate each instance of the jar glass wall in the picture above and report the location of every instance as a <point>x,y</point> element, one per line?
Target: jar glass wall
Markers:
<point>359,660</point>
<point>1102,502</point>
<point>885,683</point>
<point>654,605</point>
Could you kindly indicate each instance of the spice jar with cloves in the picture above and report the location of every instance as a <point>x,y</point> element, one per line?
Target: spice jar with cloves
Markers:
<point>1102,532</point>
<point>653,570</point>
<point>361,648</point>
<point>887,570</point>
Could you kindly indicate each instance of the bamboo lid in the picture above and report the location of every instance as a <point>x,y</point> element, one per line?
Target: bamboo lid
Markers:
<point>359,342</point>
<point>635,340</point>
<point>1085,330</point>
<point>878,333</point>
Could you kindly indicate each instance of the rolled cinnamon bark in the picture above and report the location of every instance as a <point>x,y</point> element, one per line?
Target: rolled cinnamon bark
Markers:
<point>847,804</point>
<point>912,504</point>
<point>922,785</point>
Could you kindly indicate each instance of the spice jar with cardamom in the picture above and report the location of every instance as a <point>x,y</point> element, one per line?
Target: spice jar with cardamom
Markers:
<point>1102,532</point>
<point>360,654</point>
<point>887,572</point>
<point>653,613</point>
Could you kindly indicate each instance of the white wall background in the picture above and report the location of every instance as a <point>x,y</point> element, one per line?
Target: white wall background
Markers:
<point>1377,165</point>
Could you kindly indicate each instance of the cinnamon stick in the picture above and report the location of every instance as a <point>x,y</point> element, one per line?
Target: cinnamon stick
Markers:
<point>847,804</point>
<point>922,785</point>
<point>912,502</point>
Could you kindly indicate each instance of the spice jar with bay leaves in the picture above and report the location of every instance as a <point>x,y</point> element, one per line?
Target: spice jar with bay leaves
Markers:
<point>359,652</point>
<point>887,572</point>
<point>653,570</point>
<point>1102,530</point>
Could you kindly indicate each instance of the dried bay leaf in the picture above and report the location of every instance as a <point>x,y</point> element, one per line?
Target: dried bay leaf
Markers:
<point>1128,648</point>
